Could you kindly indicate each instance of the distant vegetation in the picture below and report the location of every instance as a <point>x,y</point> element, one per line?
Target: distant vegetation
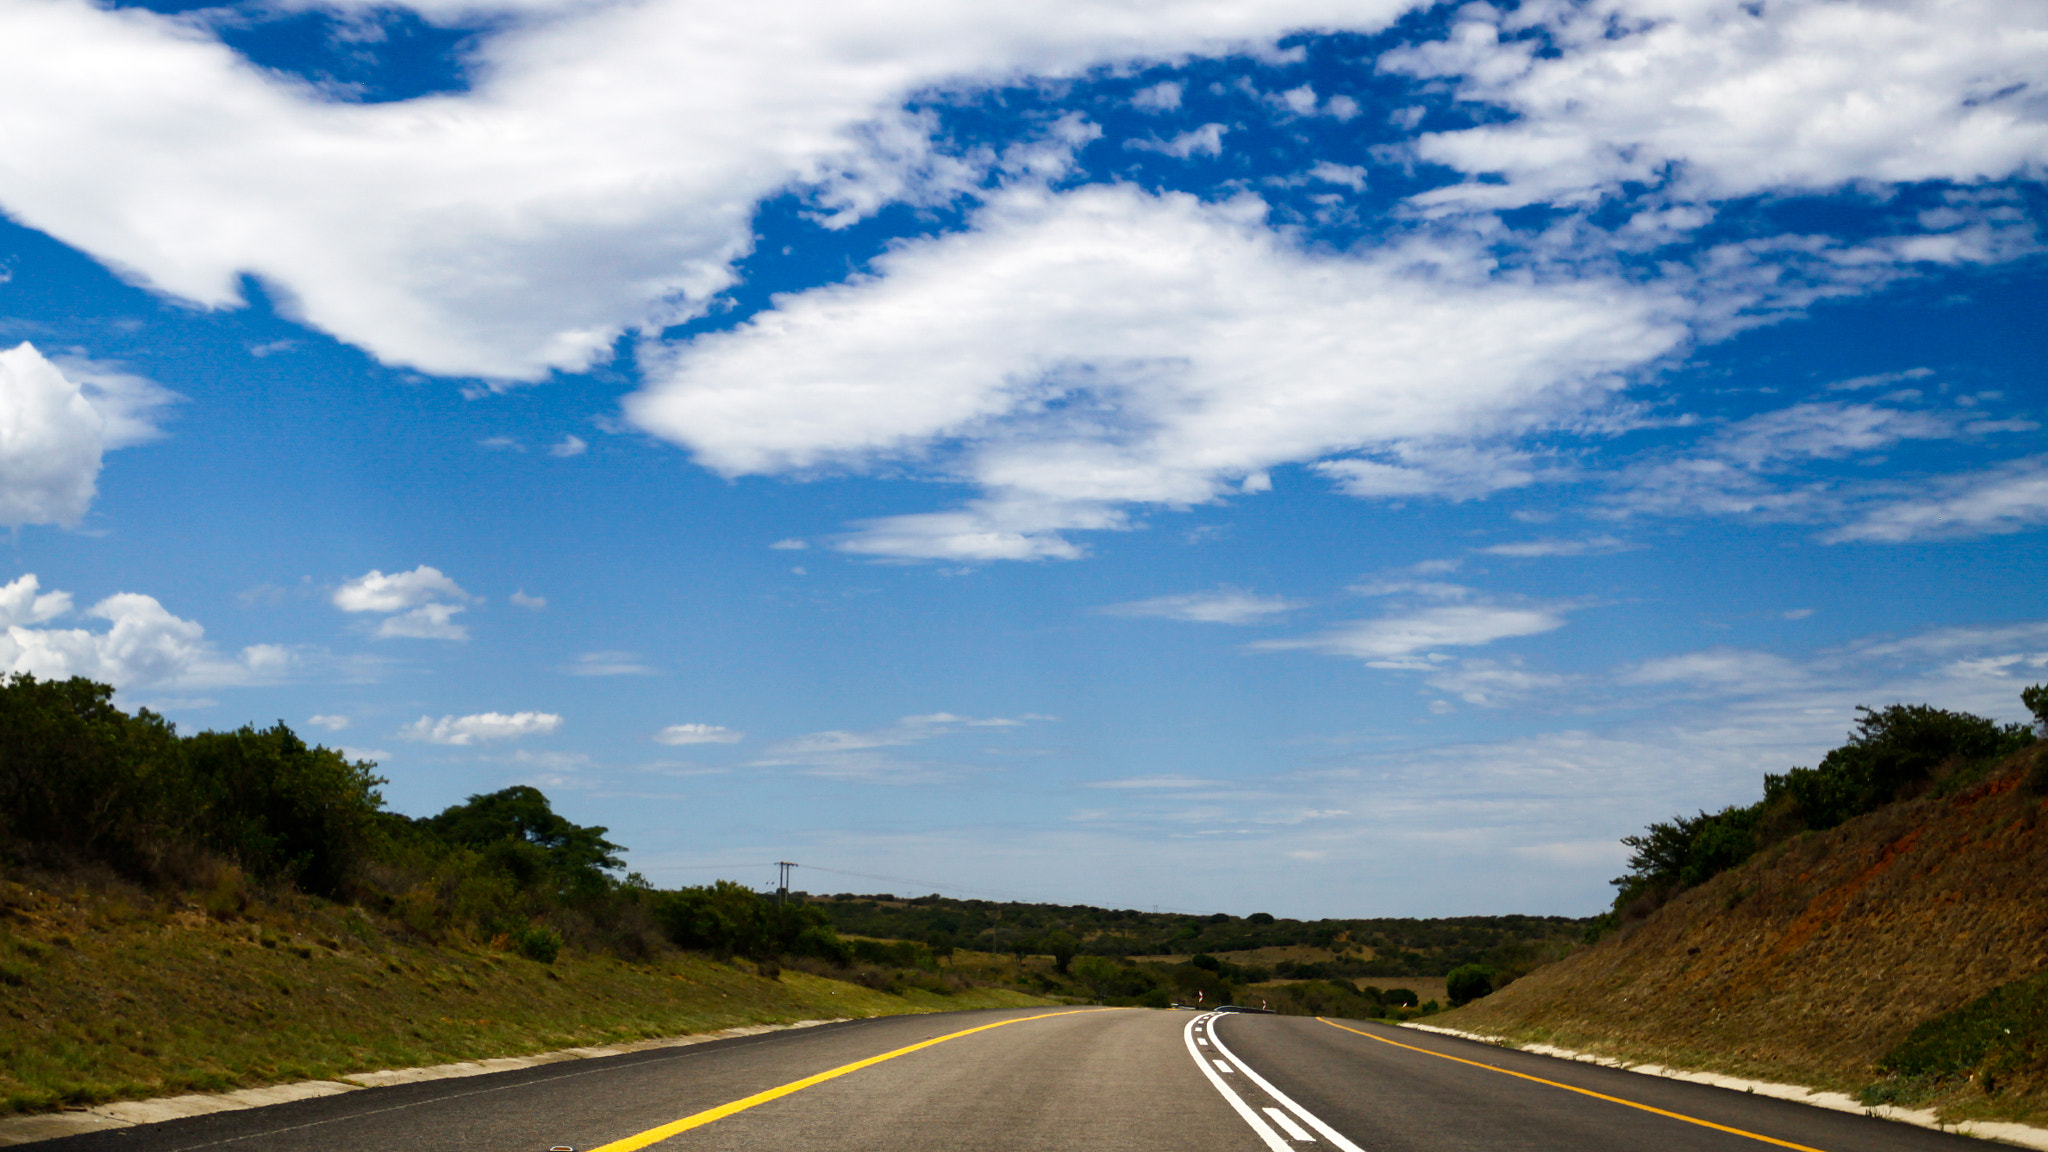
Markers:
<point>234,817</point>
<point>1894,753</point>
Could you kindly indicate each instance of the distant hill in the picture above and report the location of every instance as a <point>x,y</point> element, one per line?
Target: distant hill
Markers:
<point>1901,954</point>
<point>1347,948</point>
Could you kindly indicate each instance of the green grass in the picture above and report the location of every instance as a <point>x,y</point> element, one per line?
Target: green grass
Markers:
<point>117,996</point>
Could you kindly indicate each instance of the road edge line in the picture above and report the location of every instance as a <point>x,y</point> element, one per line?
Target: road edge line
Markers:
<point>2004,1131</point>
<point>1742,1132</point>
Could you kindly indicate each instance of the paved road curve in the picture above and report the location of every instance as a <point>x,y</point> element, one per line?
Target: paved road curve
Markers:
<point>1128,1080</point>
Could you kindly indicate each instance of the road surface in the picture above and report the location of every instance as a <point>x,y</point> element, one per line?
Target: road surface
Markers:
<point>1128,1080</point>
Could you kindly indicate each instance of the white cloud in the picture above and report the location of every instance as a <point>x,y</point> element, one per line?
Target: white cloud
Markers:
<point>568,446</point>
<point>1106,347</point>
<point>1156,783</point>
<point>534,603</point>
<point>698,734</point>
<point>1727,669</point>
<point>331,723</point>
<point>1204,141</point>
<point>56,422</point>
<point>1552,546</point>
<point>863,755</point>
<point>789,545</point>
<point>601,174</point>
<point>144,645</point>
<point>1162,97</point>
<point>464,730</point>
<point>609,664</point>
<point>426,622</point>
<point>1400,638</point>
<point>1491,684</point>
<point>21,602</point>
<point>418,600</point>
<point>2010,498</point>
<point>1727,99</point>
<point>1225,606</point>
<point>375,592</point>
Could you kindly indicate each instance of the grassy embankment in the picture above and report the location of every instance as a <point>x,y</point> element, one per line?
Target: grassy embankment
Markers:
<point>109,991</point>
<point>1901,956</point>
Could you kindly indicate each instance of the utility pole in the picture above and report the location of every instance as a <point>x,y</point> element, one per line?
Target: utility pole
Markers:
<point>782,881</point>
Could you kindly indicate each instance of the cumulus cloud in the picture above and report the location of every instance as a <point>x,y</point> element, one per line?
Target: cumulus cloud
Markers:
<point>1104,347</point>
<point>331,723</point>
<point>698,734</point>
<point>568,446</point>
<point>601,174</point>
<point>532,603</point>
<point>23,602</point>
<point>482,726</point>
<point>1224,606</point>
<point>144,644</point>
<point>417,604</point>
<point>57,420</point>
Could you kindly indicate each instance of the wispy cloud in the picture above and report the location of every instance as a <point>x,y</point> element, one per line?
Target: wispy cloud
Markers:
<point>609,664</point>
<point>698,734</point>
<point>1223,606</point>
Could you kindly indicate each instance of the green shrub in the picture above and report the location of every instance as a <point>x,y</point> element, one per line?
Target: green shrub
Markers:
<point>2005,1027</point>
<point>540,945</point>
<point>1468,982</point>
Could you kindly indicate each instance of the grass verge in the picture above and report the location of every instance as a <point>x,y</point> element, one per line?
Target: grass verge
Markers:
<point>109,993</point>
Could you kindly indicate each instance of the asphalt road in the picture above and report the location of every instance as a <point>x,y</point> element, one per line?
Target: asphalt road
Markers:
<point>1045,1079</point>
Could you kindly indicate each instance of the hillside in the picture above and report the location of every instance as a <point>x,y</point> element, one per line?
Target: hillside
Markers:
<point>1895,955</point>
<point>112,991</point>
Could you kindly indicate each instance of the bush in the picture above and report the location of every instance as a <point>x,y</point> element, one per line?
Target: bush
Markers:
<point>1468,982</point>
<point>540,945</point>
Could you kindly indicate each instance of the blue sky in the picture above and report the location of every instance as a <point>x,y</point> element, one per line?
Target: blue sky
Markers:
<point>1330,459</point>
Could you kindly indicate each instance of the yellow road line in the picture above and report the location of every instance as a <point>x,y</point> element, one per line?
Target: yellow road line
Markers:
<point>673,1127</point>
<point>1580,1091</point>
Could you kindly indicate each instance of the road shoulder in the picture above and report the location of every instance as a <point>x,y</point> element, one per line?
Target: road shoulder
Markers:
<point>2023,1135</point>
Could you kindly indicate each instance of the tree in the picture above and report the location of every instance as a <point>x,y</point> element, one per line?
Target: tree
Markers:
<point>1062,945</point>
<point>517,830</point>
<point>1468,982</point>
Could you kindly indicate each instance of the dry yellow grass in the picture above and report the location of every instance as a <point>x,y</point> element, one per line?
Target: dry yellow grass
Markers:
<point>1811,961</point>
<point>112,994</point>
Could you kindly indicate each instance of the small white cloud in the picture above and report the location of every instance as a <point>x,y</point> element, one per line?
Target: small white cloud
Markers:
<point>331,723</point>
<point>501,444</point>
<point>790,545</point>
<point>568,446</point>
<point>1350,176</point>
<point>1531,549</point>
<point>1796,613</point>
<point>533,603</point>
<point>426,622</point>
<point>1158,98</point>
<point>21,603</point>
<point>609,664</point>
<point>1206,140</point>
<point>697,734</point>
<point>1226,606</point>
<point>53,433</point>
<point>375,592</point>
<point>464,730</point>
